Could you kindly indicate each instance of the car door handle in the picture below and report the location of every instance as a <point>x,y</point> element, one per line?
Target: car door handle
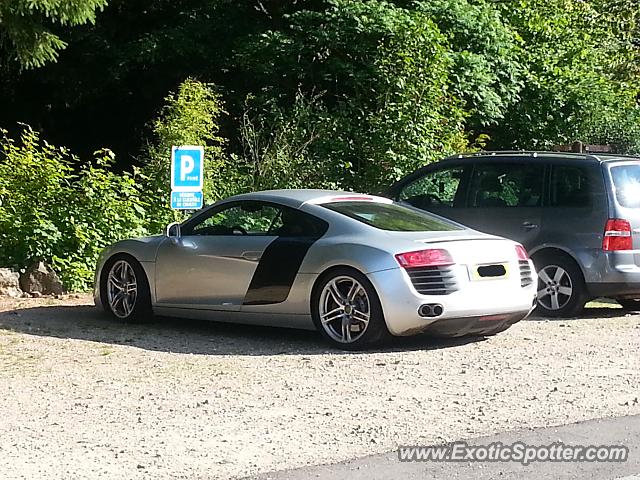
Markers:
<point>529,225</point>
<point>253,256</point>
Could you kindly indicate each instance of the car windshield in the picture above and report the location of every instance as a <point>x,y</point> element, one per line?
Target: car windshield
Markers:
<point>626,179</point>
<point>393,217</point>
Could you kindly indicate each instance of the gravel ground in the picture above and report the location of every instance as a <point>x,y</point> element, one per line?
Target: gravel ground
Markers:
<point>83,397</point>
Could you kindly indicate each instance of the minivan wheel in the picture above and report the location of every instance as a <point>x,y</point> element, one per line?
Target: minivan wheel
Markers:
<point>629,304</point>
<point>561,287</point>
<point>347,311</point>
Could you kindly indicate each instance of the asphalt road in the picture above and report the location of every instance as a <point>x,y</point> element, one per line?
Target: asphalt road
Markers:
<point>609,431</point>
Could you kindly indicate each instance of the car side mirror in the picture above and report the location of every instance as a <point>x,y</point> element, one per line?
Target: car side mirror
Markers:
<point>173,230</point>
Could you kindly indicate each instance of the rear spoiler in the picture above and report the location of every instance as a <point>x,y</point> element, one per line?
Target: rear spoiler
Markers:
<point>347,198</point>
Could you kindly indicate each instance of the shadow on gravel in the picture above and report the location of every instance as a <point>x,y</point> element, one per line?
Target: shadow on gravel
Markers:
<point>589,313</point>
<point>178,335</point>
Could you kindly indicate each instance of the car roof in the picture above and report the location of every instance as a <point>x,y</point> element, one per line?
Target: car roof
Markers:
<point>542,155</point>
<point>506,155</point>
<point>295,197</point>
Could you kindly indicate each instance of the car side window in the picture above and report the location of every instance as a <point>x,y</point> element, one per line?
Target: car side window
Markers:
<point>294,223</point>
<point>435,189</point>
<point>257,218</point>
<point>571,186</point>
<point>507,185</point>
<point>244,218</point>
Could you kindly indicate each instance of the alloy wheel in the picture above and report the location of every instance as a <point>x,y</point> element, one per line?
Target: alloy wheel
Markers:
<point>555,287</point>
<point>345,309</point>
<point>122,289</point>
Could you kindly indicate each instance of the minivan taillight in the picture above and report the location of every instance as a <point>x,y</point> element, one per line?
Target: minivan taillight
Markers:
<point>617,235</point>
<point>434,257</point>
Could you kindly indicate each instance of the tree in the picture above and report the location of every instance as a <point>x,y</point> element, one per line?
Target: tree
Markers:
<point>380,78</point>
<point>124,65</point>
<point>57,209</point>
<point>486,73</point>
<point>190,116</point>
<point>572,90</point>
<point>620,22</point>
<point>27,27</point>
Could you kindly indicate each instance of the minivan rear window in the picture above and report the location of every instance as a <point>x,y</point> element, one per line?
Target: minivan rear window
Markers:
<point>393,217</point>
<point>626,179</point>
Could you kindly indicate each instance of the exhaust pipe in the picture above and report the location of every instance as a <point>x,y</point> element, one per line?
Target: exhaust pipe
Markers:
<point>431,310</point>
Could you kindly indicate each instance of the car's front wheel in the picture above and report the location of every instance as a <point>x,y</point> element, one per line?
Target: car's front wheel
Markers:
<point>561,286</point>
<point>346,310</point>
<point>630,304</point>
<point>124,289</point>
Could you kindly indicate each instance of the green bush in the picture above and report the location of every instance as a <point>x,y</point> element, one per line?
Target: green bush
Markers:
<point>58,209</point>
<point>278,147</point>
<point>573,88</point>
<point>486,73</point>
<point>190,116</point>
<point>55,209</point>
<point>371,77</point>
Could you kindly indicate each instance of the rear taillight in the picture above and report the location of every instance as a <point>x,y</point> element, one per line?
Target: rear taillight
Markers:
<point>617,235</point>
<point>435,257</point>
<point>521,252</point>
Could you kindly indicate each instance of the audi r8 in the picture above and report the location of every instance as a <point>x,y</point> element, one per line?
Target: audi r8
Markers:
<point>358,268</point>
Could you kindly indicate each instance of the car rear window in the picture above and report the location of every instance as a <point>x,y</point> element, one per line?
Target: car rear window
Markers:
<point>393,217</point>
<point>626,179</point>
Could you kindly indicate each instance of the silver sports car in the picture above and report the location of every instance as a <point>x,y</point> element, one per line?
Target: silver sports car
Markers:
<point>356,267</point>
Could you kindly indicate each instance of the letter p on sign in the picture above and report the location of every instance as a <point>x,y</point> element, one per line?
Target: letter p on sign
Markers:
<point>187,164</point>
<point>187,168</point>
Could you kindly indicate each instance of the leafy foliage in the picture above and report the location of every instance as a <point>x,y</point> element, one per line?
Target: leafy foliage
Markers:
<point>189,117</point>
<point>278,147</point>
<point>26,33</point>
<point>379,77</point>
<point>571,92</point>
<point>53,209</point>
<point>619,22</point>
<point>486,73</point>
<point>511,63</point>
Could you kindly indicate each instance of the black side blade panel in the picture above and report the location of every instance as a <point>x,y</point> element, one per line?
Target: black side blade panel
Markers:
<point>277,270</point>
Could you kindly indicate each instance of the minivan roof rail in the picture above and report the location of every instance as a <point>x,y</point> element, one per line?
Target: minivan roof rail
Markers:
<point>534,153</point>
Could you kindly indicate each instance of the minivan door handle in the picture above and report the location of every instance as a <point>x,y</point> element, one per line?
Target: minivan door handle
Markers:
<point>529,225</point>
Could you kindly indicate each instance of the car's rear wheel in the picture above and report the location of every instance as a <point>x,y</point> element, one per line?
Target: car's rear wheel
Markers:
<point>561,286</point>
<point>124,290</point>
<point>346,310</point>
<point>629,304</point>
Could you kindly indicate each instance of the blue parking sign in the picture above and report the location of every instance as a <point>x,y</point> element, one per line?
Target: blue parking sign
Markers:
<point>187,167</point>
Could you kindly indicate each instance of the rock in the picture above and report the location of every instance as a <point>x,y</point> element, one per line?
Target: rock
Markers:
<point>41,278</point>
<point>9,283</point>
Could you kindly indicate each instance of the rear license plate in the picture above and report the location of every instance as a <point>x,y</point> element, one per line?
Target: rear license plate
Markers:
<point>490,271</point>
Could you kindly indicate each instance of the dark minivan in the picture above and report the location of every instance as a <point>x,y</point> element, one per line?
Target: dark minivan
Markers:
<point>578,215</point>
